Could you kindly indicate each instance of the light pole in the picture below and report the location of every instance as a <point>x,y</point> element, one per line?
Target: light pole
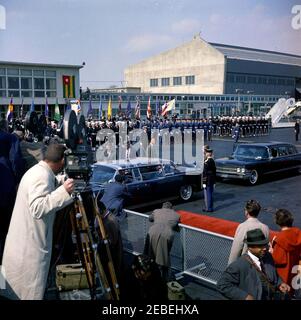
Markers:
<point>238,91</point>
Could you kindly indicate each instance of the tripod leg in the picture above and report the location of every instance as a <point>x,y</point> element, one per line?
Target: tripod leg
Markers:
<point>108,251</point>
<point>98,264</point>
<point>81,250</point>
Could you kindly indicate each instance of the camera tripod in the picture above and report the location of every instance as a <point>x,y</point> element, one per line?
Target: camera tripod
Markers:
<point>87,250</point>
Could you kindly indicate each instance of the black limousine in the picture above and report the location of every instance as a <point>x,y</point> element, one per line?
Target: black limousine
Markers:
<point>148,182</point>
<point>252,161</point>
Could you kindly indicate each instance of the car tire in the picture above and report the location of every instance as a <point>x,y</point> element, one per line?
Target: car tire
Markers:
<point>186,192</point>
<point>254,177</point>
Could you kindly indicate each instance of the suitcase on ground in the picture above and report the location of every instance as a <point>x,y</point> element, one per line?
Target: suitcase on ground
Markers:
<point>71,277</point>
<point>175,291</point>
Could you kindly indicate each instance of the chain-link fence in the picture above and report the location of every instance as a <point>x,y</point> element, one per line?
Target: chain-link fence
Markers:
<point>199,253</point>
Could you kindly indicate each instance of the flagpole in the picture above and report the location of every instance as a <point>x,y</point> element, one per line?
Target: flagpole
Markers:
<point>21,108</point>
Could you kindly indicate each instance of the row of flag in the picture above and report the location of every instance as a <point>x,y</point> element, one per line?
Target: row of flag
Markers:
<point>163,110</point>
<point>10,110</point>
<point>160,110</point>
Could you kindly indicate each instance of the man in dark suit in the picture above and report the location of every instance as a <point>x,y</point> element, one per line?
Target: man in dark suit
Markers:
<point>209,179</point>
<point>297,130</point>
<point>114,196</point>
<point>252,276</point>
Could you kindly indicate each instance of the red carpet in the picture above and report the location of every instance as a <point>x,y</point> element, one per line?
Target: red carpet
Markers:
<point>212,224</point>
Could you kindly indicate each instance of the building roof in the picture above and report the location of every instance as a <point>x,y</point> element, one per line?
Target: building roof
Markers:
<point>44,65</point>
<point>243,53</point>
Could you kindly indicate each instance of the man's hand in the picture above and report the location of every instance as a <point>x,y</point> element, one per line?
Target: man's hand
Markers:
<point>284,287</point>
<point>249,297</point>
<point>69,185</point>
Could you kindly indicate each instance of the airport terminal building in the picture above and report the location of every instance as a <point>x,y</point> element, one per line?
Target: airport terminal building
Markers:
<point>208,79</point>
<point>28,83</point>
<point>210,68</point>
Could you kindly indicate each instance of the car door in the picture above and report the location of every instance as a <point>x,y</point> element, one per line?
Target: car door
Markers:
<point>293,157</point>
<point>173,180</point>
<point>283,158</point>
<point>153,182</point>
<point>134,185</point>
<point>274,164</point>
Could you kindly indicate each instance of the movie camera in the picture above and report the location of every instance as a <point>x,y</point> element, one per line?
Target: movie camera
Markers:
<point>35,125</point>
<point>79,156</point>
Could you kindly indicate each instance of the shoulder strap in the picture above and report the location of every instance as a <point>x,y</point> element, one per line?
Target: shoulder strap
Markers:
<point>262,275</point>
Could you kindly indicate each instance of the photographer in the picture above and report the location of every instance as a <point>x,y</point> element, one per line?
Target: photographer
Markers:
<point>28,245</point>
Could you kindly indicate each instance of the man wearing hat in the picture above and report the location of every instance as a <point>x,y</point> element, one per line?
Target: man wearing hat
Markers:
<point>209,178</point>
<point>252,276</point>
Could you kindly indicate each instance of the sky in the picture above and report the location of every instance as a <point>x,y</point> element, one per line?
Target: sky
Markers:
<point>109,35</point>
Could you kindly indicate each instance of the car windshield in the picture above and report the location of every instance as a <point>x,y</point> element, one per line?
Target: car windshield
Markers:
<point>102,174</point>
<point>251,152</point>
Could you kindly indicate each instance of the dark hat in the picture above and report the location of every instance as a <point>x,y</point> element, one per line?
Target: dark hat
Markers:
<point>256,237</point>
<point>208,150</point>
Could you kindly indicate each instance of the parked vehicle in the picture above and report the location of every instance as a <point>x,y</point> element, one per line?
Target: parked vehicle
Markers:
<point>253,161</point>
<point>148,182</point>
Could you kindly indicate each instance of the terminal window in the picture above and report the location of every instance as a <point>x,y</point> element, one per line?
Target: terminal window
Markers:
<point>177,81</point>
<point>154,82</point>
<point>2,83</point>
<point>165,82</point>
<point>190,79</point>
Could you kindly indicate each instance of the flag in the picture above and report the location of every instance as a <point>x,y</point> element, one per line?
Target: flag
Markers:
<point>119,106</point>
<point>129,109</point>
<point>90,109</point>
<point>69,86</point>
<point>149,109</point>
<point>137,109</point>
<point>32,105</point>
<point>157,108</point>
<point>168,107</point>
<point>10,110</point>
<point>100,110</point>
<point>57,115</point>
<point>109,114</point>
<point>46,108</point>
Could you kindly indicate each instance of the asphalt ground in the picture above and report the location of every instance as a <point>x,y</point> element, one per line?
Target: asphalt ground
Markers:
<point>278,191</point>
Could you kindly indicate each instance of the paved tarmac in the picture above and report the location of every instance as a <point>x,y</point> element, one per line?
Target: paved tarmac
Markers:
<point>280,191</point>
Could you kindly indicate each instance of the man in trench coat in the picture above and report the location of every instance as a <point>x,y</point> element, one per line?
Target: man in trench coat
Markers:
<point>28,245</point>
<point>160,236</point>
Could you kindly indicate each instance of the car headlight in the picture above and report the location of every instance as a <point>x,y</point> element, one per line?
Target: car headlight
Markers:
<point>238,170</point>
<point>243,170</point>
